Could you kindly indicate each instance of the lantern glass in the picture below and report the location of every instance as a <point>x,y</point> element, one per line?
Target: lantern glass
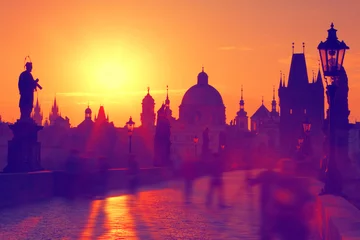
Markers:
<point>130,125</point>
<point>323,59</point>
<point>306,126</point>
<point>196,139</point>
<point>340,59</point>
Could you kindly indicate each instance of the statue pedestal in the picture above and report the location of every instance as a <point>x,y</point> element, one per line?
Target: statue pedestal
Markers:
<point>24,149</point>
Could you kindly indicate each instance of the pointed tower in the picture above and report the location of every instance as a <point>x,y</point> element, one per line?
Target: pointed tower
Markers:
<point>299,100</point>
<point>101,117</point>
<point>274,112</point>
<point>54,114</point>
<point>241,119</point>
<point>37,113</point>
<point>168,110</point>
<point>147,115</point>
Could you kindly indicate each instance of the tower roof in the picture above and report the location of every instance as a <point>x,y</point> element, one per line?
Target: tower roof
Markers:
<point>261,113</point>
<point>298,76</point>
<point>148,99</point>
<point>101,114</point>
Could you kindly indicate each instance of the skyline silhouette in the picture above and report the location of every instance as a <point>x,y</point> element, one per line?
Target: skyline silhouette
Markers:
<point>103,50</point>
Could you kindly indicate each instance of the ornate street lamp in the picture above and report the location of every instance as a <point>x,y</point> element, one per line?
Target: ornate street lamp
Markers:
<point>332,53</point>
<point>300,141</point>
<point>306,126</point>
<point>196,140</point>
<point>130,127</point>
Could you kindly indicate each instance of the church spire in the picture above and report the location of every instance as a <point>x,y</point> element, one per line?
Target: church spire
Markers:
<point>242,102</point>
<point>241,113</point>
<point>273,103</point>
<point>280,84</point>
<point>303,46</point>
<point>284,81</point>
<point>167,101</point>
<point>37,114</point>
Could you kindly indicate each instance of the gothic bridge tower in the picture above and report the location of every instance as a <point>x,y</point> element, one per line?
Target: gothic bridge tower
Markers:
<point>300,99</point>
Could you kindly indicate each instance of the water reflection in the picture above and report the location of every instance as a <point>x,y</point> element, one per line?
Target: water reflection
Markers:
<point>118,221</point>
<point>91,222</point>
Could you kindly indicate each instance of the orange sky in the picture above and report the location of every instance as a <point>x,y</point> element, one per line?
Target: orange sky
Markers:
<point>107,52</point>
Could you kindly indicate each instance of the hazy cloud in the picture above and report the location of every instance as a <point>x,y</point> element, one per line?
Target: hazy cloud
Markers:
<point>140,93</point>
<point>231,48</point>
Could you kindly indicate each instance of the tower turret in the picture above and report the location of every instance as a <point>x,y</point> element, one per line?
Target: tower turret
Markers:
<point>241,119</point>
<point>168,110</point>
<point>147,115</point>
<point>88,113</point>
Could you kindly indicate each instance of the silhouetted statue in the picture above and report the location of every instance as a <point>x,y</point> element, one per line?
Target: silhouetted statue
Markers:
<point>24,149</point>
<point>27,85</point>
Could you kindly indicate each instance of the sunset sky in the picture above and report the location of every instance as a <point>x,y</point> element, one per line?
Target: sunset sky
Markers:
<point>108,52</point>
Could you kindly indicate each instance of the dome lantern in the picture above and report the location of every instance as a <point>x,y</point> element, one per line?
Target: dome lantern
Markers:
<point>203,78</point>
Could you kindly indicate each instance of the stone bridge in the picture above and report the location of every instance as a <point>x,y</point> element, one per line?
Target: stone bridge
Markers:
<point>159,213</point>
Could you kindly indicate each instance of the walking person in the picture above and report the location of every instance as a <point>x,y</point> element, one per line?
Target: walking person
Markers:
<point>216,181</point>
<point>133,173</point>
<point>102,176</point>
<point>266,179</point>
<point>286,203</point>
<point>72,171</point>
<point>188,173</point>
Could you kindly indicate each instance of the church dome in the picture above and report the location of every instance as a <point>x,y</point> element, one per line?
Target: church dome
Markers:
<point>202,93</point>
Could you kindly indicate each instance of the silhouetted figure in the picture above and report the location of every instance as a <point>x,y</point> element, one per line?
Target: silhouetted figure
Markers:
<point>102,176</point>
<point>286,203</point>
<point>27,85</point>
<point>267,180</point>
<point>72,171</point>
<point>216,181</point>
<point>133,173</point>
<point>188,173</point>
<point>24,149</point>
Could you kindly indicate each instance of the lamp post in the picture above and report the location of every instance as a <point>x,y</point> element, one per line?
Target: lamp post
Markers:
<point>306,126</point>
<point>332,53</point>
<point>130,126</point>
<point>196,140</point>
<point>300,141</point>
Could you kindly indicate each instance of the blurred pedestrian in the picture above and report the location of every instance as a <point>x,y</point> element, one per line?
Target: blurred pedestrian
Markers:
<point>133,174</point>
<point>216,181</point>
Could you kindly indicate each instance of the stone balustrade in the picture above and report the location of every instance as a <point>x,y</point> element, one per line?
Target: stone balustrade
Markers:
<point>336,218</point>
